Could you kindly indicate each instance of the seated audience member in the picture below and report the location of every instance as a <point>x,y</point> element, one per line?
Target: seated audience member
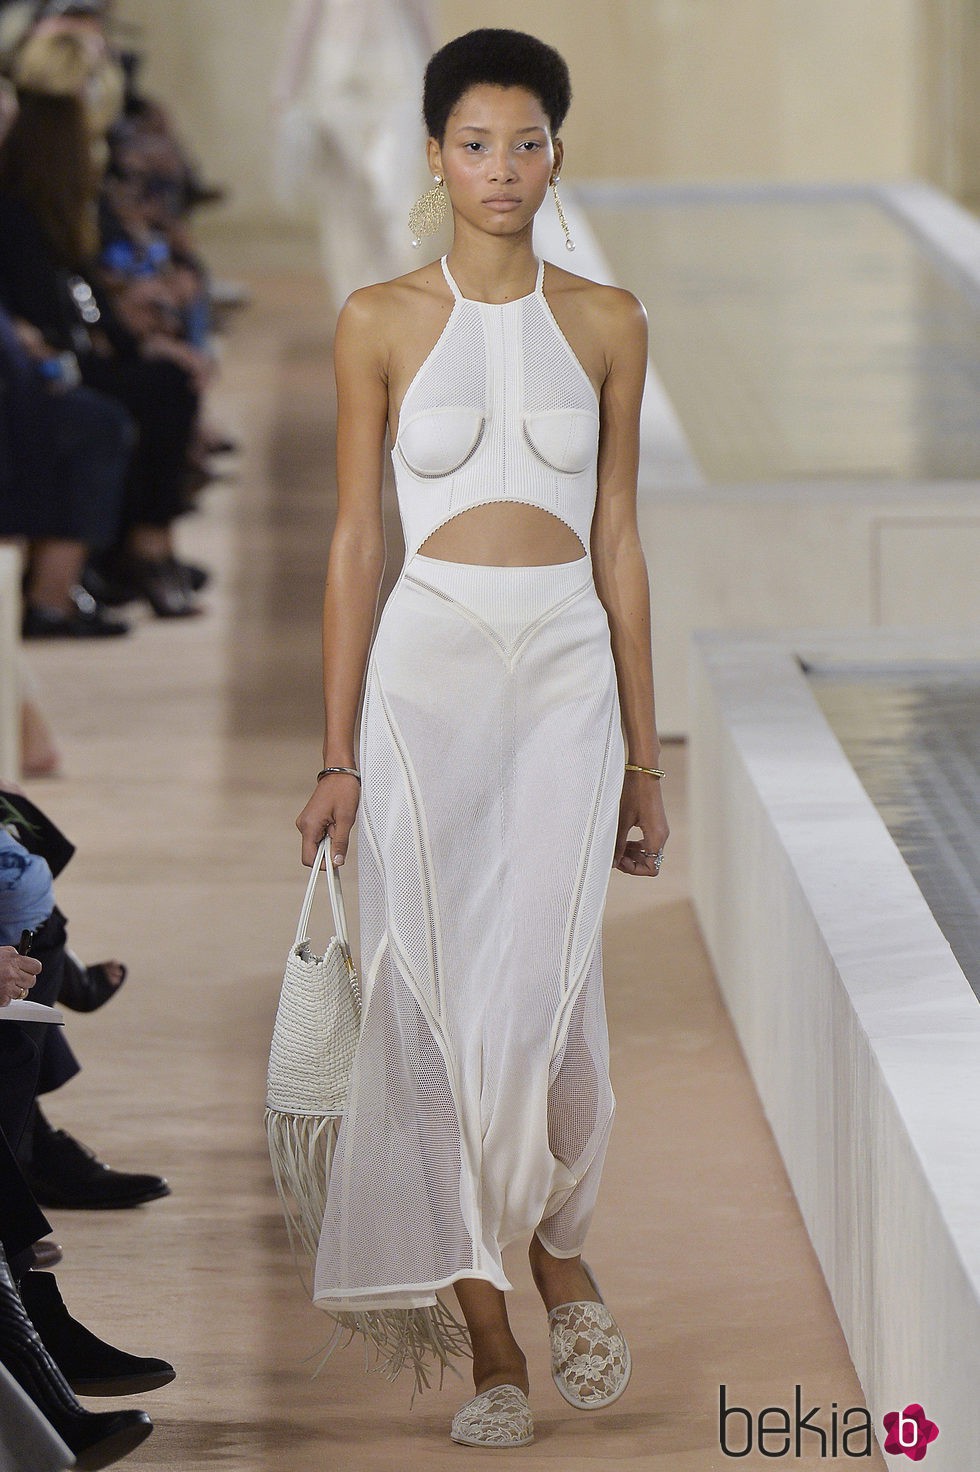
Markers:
<point>47,244</point>
<point>69,55</point>
<point>95,1438</point>
<point>141,235</point>
<point>48,1352</point>
<point>60,1170</point>
<point>62,481</point>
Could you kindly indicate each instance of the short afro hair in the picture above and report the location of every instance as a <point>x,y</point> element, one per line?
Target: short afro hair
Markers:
<point>501,58</point>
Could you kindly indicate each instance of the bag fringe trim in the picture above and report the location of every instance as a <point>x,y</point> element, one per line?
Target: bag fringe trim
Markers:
<point>301,1150</point>
<point>417,1337</point>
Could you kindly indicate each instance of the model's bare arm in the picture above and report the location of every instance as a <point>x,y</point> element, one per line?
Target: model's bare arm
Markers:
<point>621,576</point>
<point>355,564</point>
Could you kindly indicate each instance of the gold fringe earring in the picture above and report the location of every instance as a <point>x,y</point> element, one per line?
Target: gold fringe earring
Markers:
<point>569,242</point>
<point>428,211</point>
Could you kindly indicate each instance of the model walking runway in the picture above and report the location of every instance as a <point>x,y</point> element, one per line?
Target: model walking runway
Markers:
<point>492,755</point>
<point>229,739</point>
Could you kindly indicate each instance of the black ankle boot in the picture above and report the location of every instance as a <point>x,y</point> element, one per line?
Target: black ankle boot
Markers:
<point>94,1438</point>
<point>90,1366</point>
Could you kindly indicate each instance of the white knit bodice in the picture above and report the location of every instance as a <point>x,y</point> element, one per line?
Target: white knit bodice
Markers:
<point>501,410</point>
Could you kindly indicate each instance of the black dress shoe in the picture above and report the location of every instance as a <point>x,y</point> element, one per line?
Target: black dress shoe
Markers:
<point>198,577</point>
<point>87,620</point>
<point>161,582</point>
<point>47,1253</point>
<point>64,1172</point>
<point>104,580</point>
<point>94,1438</point>
<point>103,586</point>
<point>90,1366</point>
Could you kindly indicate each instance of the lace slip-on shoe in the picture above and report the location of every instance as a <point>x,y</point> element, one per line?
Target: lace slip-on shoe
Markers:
<point>590,1359</point>
<point>499,1416</point>
<point>90,1366</point>
<point>65,1173</point>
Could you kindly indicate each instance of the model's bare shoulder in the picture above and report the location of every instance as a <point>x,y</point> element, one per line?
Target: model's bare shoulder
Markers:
<point>402,293</point>
<point>614,312</point>
<point>592,293</point>
<point>622,312</point>
<point>381,313</point>
<point>366,308</point>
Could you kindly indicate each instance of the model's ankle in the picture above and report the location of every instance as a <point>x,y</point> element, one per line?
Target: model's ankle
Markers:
<point>544,1264</point>
<point>499,1364</point>
<point>558,1279</point>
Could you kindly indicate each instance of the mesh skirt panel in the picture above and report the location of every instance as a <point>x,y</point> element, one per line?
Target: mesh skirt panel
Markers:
<point>492,764</point>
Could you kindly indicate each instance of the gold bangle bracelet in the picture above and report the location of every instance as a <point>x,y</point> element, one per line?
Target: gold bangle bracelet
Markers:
<point>654,771</point>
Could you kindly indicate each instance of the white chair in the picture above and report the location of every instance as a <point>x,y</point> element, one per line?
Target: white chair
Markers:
<point>28,1442</point>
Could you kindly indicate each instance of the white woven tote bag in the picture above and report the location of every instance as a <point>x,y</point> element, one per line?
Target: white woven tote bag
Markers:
<point>313,1044</point>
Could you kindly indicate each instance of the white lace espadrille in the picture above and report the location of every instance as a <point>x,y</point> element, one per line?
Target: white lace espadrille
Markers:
<point>499,1416</point>
<point>590,1359</point>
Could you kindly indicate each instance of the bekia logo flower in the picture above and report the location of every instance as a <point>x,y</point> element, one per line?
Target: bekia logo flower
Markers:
<point>909,1431</point>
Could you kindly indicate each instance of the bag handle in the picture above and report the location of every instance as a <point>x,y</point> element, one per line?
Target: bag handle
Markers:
<point>336,898</point>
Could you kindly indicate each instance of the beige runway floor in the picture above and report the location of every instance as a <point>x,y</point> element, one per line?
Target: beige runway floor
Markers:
<point>189,749</point>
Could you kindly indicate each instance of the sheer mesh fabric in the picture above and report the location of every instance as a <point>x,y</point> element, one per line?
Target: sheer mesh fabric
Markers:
<point>581,1106</point>
<point>491,754</point>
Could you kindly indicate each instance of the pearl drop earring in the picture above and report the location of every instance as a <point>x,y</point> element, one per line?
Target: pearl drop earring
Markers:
<point>569,242</point>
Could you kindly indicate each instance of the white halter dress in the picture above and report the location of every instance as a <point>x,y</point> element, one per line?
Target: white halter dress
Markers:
<point>491,755</point>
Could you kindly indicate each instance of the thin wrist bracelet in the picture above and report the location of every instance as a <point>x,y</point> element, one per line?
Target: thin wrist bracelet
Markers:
<point>654,771</point>
<point>352,770</point>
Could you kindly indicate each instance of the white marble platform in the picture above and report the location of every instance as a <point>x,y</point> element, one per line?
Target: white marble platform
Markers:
<point>845,555</point>
<point>860,1029</point>
<point>884,546</point>
<point>10,603</point>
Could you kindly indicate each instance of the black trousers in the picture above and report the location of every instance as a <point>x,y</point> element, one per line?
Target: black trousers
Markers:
<point>57,1061</point>
<point>162,399</point>
<point>64,459</point>
<point>22,1221</point>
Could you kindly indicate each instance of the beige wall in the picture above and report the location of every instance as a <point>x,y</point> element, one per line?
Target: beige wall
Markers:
<point>212,60</point>
<point>722,89</point>
<point>666,89</point>
<point>947,103</point>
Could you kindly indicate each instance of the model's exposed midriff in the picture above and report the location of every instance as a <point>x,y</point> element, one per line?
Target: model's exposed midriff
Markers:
<point>504,534</point>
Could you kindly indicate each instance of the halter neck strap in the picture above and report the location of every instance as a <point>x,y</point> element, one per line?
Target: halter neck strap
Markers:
<point>449,277</point>
<point>538,286</point>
